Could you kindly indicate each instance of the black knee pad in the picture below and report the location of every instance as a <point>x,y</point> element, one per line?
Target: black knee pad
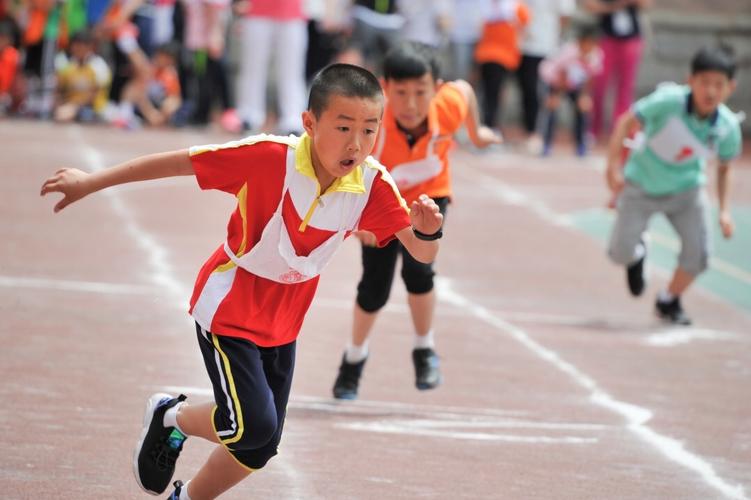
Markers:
<point>372,298</point>
<point>418,279</point>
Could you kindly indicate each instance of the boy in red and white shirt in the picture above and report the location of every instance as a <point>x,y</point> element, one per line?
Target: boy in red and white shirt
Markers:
<point>297,199</point>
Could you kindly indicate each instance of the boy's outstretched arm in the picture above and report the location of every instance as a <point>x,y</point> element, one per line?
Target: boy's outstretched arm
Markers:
<point>480,135</point>
<point>723,186</point>
<point>74,184</point>
<point>427,219</point>
<point>614,172</point>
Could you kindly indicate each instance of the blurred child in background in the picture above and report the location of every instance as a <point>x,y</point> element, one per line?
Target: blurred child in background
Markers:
<point>570,73</point>
<point>154,91</point>
<point>8,67</point>
<point>498,52</point>
<point>83,80</point>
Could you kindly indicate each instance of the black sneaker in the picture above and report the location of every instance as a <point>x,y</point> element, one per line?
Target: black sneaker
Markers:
<point>672,312</point>
<point>178,488</point>
<point>635,275</point>
<point>348,379</point>
<point>427,370</point>
<point>159,446</point>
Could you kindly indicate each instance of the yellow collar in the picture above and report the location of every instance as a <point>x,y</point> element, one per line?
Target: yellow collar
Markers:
<point>350,183</point>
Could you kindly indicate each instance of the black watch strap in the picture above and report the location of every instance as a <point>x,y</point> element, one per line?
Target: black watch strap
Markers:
<point>428,237</point>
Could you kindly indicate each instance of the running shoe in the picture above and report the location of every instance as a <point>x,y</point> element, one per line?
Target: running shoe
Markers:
<point>159,446</point>
<point>635,274</point>
<point>348,379</point>
<point>672,312</point>
<point>427,368</point>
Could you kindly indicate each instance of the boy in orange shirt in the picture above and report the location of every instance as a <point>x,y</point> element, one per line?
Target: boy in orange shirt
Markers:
<point>422,113</point>
<point>297,199</point>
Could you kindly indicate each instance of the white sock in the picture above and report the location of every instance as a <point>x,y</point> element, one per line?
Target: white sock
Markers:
<point>184,492</point>
<point>170,417</point>
<point>639,252</point>
<point>425,341</point>
<point>665,296</point>
<point>355,353</point>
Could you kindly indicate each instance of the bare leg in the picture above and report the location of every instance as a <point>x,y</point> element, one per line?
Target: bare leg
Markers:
<point>422,307</point>
<point>195,420</point>
<point>680,282</point>
<point>220,472</point>
<point>361,325</point>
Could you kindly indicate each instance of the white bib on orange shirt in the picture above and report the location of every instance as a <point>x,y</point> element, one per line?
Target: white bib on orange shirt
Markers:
<point>411,173</point>
<point>273,257</point>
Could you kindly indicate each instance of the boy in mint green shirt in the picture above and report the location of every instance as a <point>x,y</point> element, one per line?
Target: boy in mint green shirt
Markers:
<point>683,127</point>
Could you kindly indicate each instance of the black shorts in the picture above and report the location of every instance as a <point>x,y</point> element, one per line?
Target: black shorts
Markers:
<point>251,389</point>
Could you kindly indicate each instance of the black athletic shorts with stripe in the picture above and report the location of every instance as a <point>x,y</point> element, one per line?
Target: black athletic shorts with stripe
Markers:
<point>251,390</point>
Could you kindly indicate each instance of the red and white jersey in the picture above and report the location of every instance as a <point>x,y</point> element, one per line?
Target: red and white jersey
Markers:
<point>272,176</point>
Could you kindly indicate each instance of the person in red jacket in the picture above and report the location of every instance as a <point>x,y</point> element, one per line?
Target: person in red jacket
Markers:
<point>8,66</point>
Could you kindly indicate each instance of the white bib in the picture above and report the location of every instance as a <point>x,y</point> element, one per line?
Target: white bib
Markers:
<point>273,257</point>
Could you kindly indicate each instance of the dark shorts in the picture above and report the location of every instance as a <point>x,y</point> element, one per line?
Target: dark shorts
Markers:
<point>251,389</point>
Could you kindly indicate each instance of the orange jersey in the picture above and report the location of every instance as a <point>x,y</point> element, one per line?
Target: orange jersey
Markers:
<point>499,41</point>
<point>447,113</point>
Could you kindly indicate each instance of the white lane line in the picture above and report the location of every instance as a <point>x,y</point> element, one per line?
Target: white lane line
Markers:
<point>159,268</point>
<point>417,428</point>
<point>430,420</point>
<point>676,336</point>
<point>97,287</point>
<point>636,416</point>
<point>360,406</point>
<point>520,316</point>
<point>511,196</point>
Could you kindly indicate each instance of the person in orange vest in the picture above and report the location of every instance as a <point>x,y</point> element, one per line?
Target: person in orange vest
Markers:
<point>422,114</point>
<point>498,53</point>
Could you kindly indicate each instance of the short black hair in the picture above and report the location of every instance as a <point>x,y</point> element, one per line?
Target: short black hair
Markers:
<point>345,80</point>
<point>717,58</point>
<point>587,31</point>
<point>410,60</point>
<point>170,49</point>
<point>83,36</point>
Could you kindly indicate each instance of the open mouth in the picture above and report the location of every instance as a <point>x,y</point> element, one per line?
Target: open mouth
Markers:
<point>349,162</point>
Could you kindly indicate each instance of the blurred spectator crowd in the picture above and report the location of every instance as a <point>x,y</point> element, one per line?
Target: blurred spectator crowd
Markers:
<point>137,63</point>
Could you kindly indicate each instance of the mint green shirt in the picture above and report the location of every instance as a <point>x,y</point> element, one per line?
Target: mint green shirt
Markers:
<point>678,143</point>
